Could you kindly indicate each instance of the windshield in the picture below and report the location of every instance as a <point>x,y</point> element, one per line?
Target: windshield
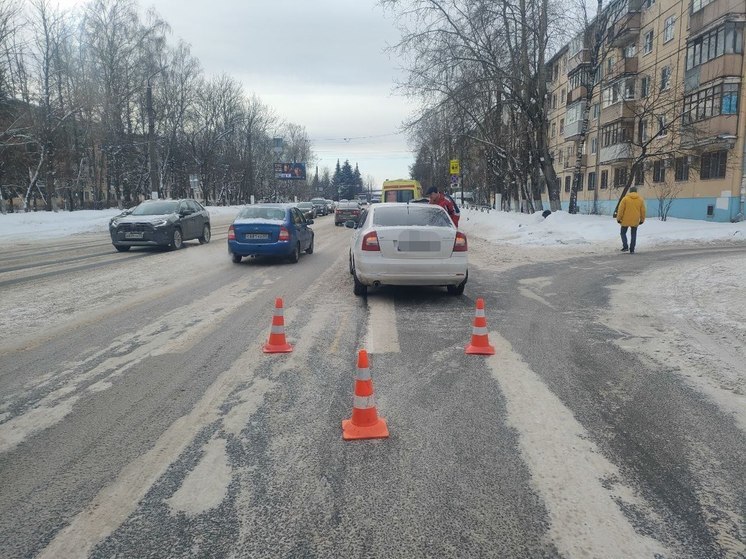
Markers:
<point>305,205</point>
<point>253,212</point>
<point>156,208</point>
<point>403,216</point>
<point>318,201</point>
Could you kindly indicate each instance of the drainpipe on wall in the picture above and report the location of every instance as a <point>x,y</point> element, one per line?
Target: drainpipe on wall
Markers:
<point>740,216</point>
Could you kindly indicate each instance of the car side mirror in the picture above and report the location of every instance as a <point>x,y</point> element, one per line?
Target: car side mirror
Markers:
<point>309,221</point>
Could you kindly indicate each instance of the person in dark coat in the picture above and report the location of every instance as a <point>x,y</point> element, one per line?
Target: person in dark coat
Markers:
<point>631,214</point>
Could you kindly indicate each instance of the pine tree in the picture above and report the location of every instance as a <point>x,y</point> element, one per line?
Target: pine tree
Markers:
<point>338,182</point>
<point>357,180</point>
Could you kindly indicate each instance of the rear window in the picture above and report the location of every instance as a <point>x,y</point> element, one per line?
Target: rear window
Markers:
<point>411,215</point>
<point>252,212</point>
<point>398,195</point>
<point>348,206</point>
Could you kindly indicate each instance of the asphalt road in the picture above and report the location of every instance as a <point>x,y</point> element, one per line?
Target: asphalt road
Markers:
<point>156,427</point>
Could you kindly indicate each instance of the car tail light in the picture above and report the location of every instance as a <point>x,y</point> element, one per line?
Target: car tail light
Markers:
<point>231,233</point>
<point>284,234</point>
<point>460,244</point>
<point>355,212</point>
<point>370,241</point>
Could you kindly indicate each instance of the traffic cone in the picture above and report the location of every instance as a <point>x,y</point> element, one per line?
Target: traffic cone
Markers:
<point>480,343</point>
<point>277,342</point>
<point>365,423</point>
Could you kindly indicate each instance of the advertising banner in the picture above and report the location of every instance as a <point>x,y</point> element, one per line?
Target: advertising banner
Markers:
<point>293,171</point>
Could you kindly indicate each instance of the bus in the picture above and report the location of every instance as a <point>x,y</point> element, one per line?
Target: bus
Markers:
<point>401,190</point>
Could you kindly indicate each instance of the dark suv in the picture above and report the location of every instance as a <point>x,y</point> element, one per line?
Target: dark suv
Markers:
<point>165,223</point>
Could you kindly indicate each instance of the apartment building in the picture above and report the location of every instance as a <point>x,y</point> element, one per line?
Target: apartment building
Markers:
<point>667,107</point>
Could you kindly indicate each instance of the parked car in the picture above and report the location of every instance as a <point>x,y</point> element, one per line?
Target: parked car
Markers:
<point>307,209</point>
<point>166,223</point>
<point>319,204</point>
<point>330,206</point>
<point>407,244</point>
<point>270,230</point>
<point>346,211</point>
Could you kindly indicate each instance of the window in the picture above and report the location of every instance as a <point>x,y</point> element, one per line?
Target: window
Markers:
<point>647,46</point>
<point>576,45</point>
<point>580,183</point>
<point>596,111</point>
<point>562,126</point>
<point>662,130</point>
<point>630,51</point>
<point>568,183</point>
<point>665,77</point>
<point>713,165</point>
<point>591,181</point>
<point>668,29</point>
<point>642,131</point>
<point>604,179</point>
<point>594,145</point>
<point>563,95</point>
<point>554,130</point>
<point>560,155</point>
<point>644,86</point>
<point>681,169</point>
<point>697,5</point>
<point>610,64</point>
<point>713,101</point>
<point>639,175</point>
<point>710,210</point>
<point>629,89</point>
<point>620,176</point>
<point>611,95</point>
<point>554,101</point>
<point>574,113</point>
<point>616,133</point>
<point>659,171</point>
<point>725,39</point>
<point>648,3</point>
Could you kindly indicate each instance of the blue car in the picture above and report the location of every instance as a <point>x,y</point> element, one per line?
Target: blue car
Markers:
<point>270,230</point>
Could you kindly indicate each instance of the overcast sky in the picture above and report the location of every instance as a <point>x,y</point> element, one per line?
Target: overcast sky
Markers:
<point>317,63</point>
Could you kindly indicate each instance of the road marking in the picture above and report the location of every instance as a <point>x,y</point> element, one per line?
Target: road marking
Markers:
<point>567,469</point>
<point>382,335</point>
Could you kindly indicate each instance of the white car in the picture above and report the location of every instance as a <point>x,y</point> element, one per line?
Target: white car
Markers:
<point>407,244</point>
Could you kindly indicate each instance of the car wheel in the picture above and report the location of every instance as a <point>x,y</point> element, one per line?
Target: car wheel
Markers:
<point>122,248</point>
<point>236,258</point>
<point>458,289</point>
<point>358,288</point>
<point>205,238</point>
<point>295,255</point>
<point>309,250</point>
<point>176,239</point>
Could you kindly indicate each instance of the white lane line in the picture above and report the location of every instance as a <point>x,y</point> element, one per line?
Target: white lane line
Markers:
<point>567,469</point>
<point>382,335</point>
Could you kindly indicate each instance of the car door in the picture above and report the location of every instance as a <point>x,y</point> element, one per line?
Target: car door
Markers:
<point>201,217</point>
<point>301,227</point>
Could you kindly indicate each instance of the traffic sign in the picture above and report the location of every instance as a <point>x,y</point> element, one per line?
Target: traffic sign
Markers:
<point>455,167</point>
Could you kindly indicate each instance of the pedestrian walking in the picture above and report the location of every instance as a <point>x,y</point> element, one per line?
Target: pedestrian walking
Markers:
<point>630,215</point>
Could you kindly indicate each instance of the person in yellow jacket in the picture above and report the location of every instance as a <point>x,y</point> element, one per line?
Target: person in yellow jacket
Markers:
<point>631,214</point>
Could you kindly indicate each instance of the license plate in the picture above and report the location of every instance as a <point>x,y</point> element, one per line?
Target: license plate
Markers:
<point>133,235</point>
<point>256,236</point>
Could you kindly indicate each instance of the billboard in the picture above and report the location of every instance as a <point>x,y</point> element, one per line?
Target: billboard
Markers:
<point>295,171</point>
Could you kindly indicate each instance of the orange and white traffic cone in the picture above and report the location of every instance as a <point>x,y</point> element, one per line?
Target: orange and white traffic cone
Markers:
<point>365,423</point>
<point>277,342</point>
<point>480,343</point>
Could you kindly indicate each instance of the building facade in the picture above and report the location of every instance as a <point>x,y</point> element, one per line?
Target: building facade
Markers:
<point>666,113</point>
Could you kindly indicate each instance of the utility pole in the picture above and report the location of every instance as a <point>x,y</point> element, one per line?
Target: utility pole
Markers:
<point>152,163</point>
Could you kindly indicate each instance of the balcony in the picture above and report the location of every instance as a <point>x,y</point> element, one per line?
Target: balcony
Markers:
<point>621,110</point>
<point>623,67</point>
<point>577,94</point>
<point>626,28</point>
<point>570,162</point>
<point>617,152</point>
<point>722,129</point>
<point>573,130</point>
<point>720,67</point>
<point>580,58</point>
<point>713,12</point>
